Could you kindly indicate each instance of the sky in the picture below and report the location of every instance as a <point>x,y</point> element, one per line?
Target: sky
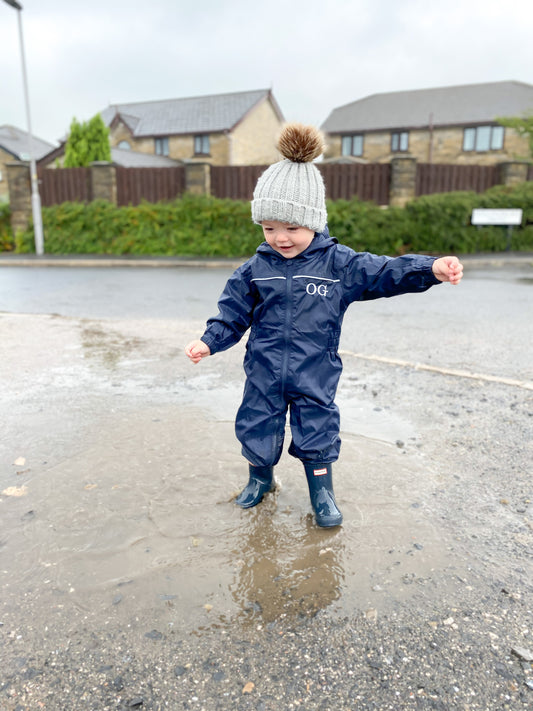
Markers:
<point>315,55</point>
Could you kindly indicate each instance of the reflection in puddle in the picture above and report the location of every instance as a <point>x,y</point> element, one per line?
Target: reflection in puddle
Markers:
<point>105,346</point>
<point>282,571</point>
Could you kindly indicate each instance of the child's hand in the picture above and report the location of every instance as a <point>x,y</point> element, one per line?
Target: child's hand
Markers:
<point>448,269</point>
<point>196,350</point>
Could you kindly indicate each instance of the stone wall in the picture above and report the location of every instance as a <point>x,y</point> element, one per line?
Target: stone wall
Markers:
<point>5,158</point>
<point>513,173</point>
<point>19,185</point>
<point>104,181</point>
<point>403,181</point>
<point>254,139</point>
<point>198,179</point>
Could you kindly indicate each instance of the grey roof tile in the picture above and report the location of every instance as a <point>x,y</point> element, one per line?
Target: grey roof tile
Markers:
<point>200,114</point>
<point>134,159</point>
<point>448,106</point>
<point>15,141</point>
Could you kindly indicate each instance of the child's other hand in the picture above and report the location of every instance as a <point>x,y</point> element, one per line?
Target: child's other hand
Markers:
<point>448,269</point>
<point>196,350</point>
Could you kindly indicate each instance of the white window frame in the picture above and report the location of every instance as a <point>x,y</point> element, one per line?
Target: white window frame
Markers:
<point>399,141</point>
<point>202,145</point>
<point>352,145</point>
<point>161,146</point>
<point>473,138</point>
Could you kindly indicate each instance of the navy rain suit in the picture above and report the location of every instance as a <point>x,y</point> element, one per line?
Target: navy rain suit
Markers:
<point>294,309</point>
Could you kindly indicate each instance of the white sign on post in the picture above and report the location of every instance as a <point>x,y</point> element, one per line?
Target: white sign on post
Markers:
<point>485,216</point>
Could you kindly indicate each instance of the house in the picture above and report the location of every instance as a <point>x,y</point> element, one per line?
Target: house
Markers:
<point>455,124</point>
<point>222,129</point>
<point>14,147</point>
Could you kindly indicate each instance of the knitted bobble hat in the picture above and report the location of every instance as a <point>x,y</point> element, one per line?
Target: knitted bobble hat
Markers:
<point>292,190</point>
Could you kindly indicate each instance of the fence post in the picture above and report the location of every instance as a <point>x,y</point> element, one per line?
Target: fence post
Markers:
<point>513,172</point>
<point>402,181</point>
<point>19,187</point>
<point>198,178</point>
<point>103,181</point>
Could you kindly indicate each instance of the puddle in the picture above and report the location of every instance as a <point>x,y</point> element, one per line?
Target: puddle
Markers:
<point>107,347</point>
<point>128,483</point>
<point>358,416</point>
<point>140,521</point>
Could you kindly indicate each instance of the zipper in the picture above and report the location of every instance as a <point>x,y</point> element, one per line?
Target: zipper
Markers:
<point>287,327</point>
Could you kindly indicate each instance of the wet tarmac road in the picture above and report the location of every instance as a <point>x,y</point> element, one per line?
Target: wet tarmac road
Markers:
<point>118,461</point>
<point>476,326</point>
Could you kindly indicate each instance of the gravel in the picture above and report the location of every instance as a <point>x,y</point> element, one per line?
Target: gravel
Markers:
<point>458,636</point>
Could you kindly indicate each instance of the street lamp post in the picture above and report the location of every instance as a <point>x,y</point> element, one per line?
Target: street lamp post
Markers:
<point>35,197</point>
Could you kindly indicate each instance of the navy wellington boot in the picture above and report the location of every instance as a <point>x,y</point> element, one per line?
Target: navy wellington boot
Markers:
<point>260,483</point>
<point>319,480</point>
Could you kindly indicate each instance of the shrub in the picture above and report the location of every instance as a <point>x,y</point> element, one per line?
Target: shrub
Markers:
<point>443,220</point>
<point>210,227</point>
<point>7,243</point>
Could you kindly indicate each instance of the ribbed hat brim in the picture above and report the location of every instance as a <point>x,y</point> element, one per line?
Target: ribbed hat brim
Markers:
<point>290,212</point>
<point>293,193</point>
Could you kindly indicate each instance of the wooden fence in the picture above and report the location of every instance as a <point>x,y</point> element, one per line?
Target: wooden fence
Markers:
<point>343,181</point>
<point>431,178</point>
<point>236,182</point>
<point>367,181</point>
<point>65,185</point>
<point>370,181</point>
<point>150,184</point>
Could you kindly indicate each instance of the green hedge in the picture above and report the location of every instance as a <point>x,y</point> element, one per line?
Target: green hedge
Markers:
<point>7,243</point>
<point>437,223</point>
<point>209,227</point>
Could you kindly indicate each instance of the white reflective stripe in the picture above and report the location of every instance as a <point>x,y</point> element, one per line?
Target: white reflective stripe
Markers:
<point>268,278</point>
<point>310,276</point>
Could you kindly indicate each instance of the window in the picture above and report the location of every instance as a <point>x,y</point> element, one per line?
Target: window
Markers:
<point>483,138</point>
<point>201,145</point>
<point>352,145</point>
<point>399,141</point>
<point>161,146</point>
<point>124,145</point>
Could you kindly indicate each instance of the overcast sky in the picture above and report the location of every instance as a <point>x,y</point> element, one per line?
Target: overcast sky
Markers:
<point>314,54</point>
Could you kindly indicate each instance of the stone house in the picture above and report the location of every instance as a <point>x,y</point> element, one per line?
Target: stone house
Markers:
<point>14,147</point>
<point>222,129</point>
<point>454,125</point>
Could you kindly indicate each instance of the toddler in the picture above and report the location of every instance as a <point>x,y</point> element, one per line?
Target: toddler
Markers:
<point>292,296</point>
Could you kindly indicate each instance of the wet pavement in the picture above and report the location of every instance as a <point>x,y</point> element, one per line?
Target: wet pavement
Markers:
<point>118,466</point>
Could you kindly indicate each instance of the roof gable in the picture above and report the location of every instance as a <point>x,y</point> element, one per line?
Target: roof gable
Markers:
<point>201,114</point>
<point>445,106</point>
<point>15,141</point>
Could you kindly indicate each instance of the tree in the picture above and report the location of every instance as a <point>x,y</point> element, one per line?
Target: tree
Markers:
<point>522,125</point>
<point>87,142</point>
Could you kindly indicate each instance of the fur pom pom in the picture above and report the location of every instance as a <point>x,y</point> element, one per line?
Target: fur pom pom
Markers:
<point>300,144</point>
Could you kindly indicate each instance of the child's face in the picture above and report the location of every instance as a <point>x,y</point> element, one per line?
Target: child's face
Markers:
<point>287,240</point>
